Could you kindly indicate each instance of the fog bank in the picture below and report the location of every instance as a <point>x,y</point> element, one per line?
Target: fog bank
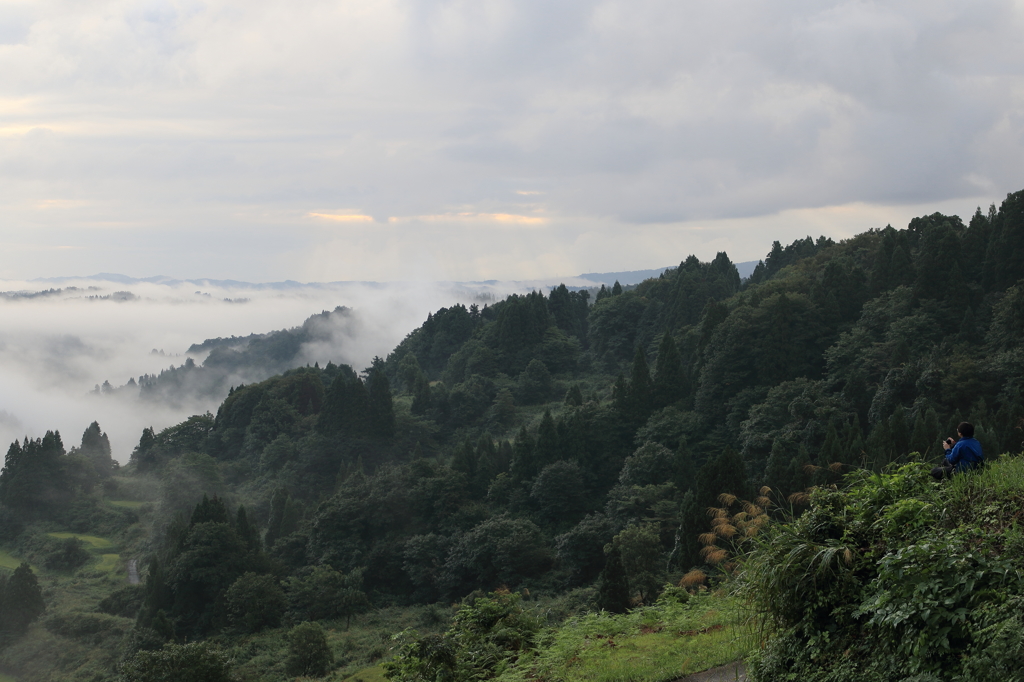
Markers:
<point>60,339</point>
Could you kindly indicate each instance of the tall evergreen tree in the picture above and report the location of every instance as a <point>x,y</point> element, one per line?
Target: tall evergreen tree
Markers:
<point>641,389</point>
<point>380,410</point>
<point>669,375</point>
<point>726,473</point>
<point>421,399</point>
<point>547,450</point>
<point>345,405</point>
<point>22,601</point>
<point>96,448</point>
<point>612,585</point>
<point>524,462</point>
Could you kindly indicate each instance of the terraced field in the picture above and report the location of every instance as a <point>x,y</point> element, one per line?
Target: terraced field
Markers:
<point>92,540</point>
<point>126,504</point>
<point>109,563</point>
<point>10,563</point>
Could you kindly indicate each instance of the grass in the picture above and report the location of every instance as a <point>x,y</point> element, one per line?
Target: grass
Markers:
<point>1002,476</point>
<point>6,678</point>
<point>653,644</point>
<point>93,541</point>
<point>10,563</point>
<point>127,504</point>
<point>374,674</point>
<point>109,563</point>
<point>357,650</point>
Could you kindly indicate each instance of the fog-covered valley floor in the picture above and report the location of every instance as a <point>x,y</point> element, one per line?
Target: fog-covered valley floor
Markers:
<point>61,339</point>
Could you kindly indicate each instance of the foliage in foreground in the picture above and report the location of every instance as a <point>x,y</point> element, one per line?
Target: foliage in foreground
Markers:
<point>678,635</point>
<point>895,577</point>
<point>498,638</point>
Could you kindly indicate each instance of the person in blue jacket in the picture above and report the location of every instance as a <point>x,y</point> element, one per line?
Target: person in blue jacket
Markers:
<point>961,455</point>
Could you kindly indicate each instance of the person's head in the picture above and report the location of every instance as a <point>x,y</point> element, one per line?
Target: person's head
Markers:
<point>966,430</point>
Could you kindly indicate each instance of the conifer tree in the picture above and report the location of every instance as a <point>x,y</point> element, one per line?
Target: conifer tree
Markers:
<point>777,473</point>
<point>249,533</point>
<point>524,463</point>
<point>687,468</point>
<point>612,586</point>
<point>725,473</point>
<point>641,389</point>
<point>421,399</point>
<point>96,448</point>
<point>21,603</point>
<point>465,459</point>
<point>669,376</point>
<point>345,405</point>
<point>547,449</point>
<point>693,521</point>
<point>853,438</point>
<point>799,474</point>
<point>380,409</point>
<point>143,455</point>
<point>899,434</point>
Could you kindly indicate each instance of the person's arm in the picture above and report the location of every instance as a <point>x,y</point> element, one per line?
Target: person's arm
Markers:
<point>956,454</point>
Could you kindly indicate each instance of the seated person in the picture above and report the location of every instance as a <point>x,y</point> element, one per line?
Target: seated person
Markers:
<point>961,455</point>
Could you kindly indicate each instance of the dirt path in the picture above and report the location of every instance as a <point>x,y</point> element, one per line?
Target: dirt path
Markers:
<point>133,572</point>
<point>733,672</point>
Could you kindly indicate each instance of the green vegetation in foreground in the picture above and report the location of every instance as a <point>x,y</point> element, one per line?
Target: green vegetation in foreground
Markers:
<point>6,678</point>
<point>895,577</point>
<point>9,562</point>
<point>93,541</point>
<point>374,674</point>
<point>651,644</point>
<point>126,504</point>
<point>498,637</point>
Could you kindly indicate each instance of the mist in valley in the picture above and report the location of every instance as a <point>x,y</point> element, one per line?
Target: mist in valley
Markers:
<point>60,341</point>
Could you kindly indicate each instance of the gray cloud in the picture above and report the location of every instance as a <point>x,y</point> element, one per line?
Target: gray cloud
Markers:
<point>198,137</point>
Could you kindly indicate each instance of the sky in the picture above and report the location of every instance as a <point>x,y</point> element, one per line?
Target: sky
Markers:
<point>423,140</point>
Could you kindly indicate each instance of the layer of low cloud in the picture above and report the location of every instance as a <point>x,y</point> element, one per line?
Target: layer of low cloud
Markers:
<point>249,139</point>
<point>57,347</point>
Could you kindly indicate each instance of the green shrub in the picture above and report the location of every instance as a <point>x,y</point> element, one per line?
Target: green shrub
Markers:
<point>68,554</point>
<point>895,577</point>
<point>78,624</point>
<point>308,652</point>
<point>125,602</point>
<point>485,638</point>
<point>197,662</point>
<point>255,602</point>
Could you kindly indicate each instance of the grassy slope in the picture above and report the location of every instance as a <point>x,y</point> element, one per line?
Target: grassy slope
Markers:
<point>356,650</point>
<point>43,654</point>
<point>8,561</point>
<point>651,644</point>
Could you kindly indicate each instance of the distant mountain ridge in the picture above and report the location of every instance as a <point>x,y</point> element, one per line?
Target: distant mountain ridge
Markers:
<point>625,278</point>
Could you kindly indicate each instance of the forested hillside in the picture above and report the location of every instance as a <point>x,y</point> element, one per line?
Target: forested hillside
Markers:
<point>546,443</point>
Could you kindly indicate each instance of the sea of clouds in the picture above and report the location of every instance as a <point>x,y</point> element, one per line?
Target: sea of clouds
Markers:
<point>60,339</point>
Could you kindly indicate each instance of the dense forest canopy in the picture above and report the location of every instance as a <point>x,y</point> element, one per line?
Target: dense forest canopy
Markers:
<point>536,442</point>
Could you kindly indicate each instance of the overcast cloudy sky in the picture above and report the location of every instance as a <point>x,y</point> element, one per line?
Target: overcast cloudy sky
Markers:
<point>476,139</point>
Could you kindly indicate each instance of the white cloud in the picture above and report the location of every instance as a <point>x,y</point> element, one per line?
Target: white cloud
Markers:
<point>54,349</point>
<point>197,138</point>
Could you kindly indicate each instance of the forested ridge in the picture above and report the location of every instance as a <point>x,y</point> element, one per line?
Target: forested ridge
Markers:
<point>553,444</point>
